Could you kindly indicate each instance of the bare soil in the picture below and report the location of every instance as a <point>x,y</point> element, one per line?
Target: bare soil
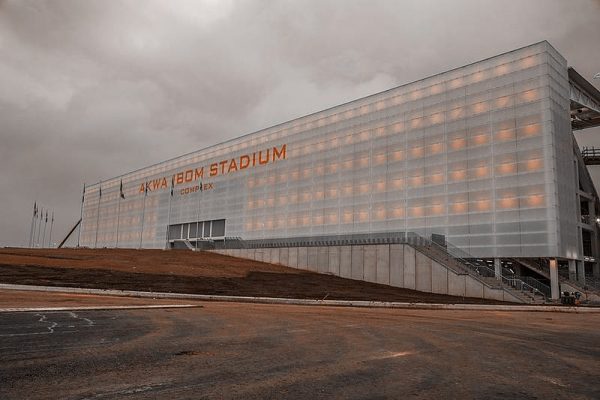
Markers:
<point>182,271</point>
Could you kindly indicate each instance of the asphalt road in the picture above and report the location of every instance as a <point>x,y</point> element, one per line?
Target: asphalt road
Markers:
<point>253,351</point>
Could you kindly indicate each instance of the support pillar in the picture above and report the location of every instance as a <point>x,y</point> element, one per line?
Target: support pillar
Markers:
<point>596,270</point>
<point>581,272</point>
<point>572,270</point>
<point>554,286</point>
<point>497,268</point>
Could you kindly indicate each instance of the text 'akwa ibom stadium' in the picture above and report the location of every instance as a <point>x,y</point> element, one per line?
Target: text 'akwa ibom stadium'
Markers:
<point>469,182</point>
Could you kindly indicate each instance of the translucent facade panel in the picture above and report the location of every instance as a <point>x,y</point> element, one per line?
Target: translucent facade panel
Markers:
<point>477,154</point>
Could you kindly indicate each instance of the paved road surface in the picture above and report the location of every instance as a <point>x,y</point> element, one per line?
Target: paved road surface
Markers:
<point>253,351</point>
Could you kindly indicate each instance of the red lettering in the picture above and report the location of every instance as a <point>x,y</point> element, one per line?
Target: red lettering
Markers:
<point>156,184</point>
<point>260,160</point>
<point>232,166</point>
<point>142,188</point>
<point>179,178</point>
<point>222,164</point>
<point>214,169</point>
<point>189,175</point>
<point>279,154</point>
<point>244,161</point>
<point>198,173</point>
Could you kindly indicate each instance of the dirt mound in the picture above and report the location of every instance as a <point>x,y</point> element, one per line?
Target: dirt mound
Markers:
<point>182,271</point>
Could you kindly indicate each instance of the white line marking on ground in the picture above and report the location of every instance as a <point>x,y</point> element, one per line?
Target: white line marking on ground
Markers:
<point>99,308</point>
<point>88,321</point>
<point>43,319</point>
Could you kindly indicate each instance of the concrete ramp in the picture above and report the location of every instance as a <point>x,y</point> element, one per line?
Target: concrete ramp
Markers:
<point>398,265</point>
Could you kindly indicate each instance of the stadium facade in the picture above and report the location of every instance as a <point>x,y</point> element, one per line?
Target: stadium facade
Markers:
<point>482,155</point>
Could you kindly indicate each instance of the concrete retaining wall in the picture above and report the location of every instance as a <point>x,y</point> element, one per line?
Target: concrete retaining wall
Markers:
<point>398,265</point>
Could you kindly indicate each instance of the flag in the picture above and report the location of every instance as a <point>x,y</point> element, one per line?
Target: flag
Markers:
<point>172,184</point>
<point>35,209</point>
<point>83,194</point>
<point>146,189</point>
<point>121,190</point>
<point>100,192</point>
<point>46,217</point>
<point>52,216</point>
<point>200,185</point>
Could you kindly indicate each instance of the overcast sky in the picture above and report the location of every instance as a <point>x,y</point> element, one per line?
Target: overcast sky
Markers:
<point>92,89</point>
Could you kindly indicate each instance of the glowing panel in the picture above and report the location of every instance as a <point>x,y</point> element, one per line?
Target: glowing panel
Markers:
<point>457,144</point>
<point>535,200</point>
<point>506,168</point>
<point>458,175</point>
<point>534,165</point>
<point>505,135</point>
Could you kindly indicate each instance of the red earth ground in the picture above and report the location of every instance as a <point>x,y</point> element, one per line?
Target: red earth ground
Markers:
<point>183,271</point>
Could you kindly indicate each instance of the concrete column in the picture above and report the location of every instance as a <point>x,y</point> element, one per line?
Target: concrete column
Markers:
<point>497,268</point>
<point>554,287</point>
<point>581,272</point>
<point>573,270</point>
<point>596,271</point>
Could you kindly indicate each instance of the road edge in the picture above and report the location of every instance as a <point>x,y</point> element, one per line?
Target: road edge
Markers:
<point>304,302</point>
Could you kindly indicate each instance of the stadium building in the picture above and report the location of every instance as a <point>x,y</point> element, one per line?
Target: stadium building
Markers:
<point>473,169</point>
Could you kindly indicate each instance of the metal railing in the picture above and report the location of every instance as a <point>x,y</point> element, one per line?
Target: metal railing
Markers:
<point>480,268</point>
<point>448,255</point>
<point>523,287</point>
<point>590,152</point>
<point>536,284</point>
<point>592,282</point>
<point>483,270</point>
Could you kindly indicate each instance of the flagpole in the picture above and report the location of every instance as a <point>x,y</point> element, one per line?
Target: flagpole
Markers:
<point>98,215</point>
<point>51,225</point>
<point>143,213</point>
<point>81,215</point>
<point>45,224</point>
<point>119,212</point>
<point>118,217</point>
<point>32,221</point>
<point>39,229</point>
<point>37,213</point>
<point>169,216</point>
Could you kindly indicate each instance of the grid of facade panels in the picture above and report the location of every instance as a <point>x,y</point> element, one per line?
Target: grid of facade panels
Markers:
<point>481,154</point>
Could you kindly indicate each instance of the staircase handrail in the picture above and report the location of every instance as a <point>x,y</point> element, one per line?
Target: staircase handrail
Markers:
<point>540,286</point>
<point>476,267</point>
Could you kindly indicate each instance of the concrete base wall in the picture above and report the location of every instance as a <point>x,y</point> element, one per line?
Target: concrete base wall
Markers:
<point>396,265</point>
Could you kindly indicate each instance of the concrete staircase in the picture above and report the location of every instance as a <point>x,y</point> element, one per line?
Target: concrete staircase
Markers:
<point>519,288</point>
<point>591,285</point>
